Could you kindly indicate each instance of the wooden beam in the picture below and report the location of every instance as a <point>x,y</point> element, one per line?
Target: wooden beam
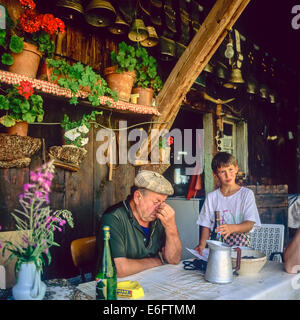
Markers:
<point>196,56</point>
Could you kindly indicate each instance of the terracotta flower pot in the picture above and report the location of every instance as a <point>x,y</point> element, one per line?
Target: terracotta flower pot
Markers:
<point>145,95</point>
<point>122,83</point>
<point>26,62</point>
<point>20,129</point>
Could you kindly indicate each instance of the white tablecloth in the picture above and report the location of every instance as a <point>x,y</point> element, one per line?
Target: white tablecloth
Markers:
<point>172,282</point>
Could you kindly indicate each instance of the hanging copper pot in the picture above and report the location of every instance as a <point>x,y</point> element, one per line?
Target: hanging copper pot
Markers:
<point>152,39</point>
<point>119,27</point>
<point>167,49</point>
<point>70,9</point>
<point>138,31</point>
<point>100,13</point>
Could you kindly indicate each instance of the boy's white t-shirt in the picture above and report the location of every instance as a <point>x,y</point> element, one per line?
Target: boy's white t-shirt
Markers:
<point>234,209</point>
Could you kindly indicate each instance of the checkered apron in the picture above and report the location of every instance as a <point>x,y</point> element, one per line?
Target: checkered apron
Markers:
<point>238,239</point>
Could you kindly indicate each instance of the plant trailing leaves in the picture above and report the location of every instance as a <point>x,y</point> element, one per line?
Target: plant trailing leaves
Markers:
<point>77,76</point>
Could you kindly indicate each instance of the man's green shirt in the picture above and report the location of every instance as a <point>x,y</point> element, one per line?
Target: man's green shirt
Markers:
<point>127,238</point>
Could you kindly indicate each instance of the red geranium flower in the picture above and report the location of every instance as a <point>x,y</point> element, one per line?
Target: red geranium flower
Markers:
<point>170,141</point>
<point>28,4</point>
<point>25,89</point>
<point>30,21</point>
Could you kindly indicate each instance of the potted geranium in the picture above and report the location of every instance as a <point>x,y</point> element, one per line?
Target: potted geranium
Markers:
<point>164,144</point>
<point>37,31</point>
<point>71,153</point>
<point>79,77</point>
<point>147,81</point>
<point>22,106</point>
<point>9,42</point>
<point>121,75</point>
<point>37,223</point>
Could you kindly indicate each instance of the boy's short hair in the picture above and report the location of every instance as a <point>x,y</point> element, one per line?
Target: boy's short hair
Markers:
<point>222,159</point>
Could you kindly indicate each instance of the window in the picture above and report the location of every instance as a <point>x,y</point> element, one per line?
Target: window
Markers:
<point>235,141</point>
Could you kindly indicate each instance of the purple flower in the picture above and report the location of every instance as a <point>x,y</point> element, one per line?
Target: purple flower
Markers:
<point>62,222</point>
<point>47,198</point>
<point>25,239</point>
<point>21,196</point>
<point>49,175</point>
<point>27,186</point>
<point>46,184</point>
<point>38,194</point>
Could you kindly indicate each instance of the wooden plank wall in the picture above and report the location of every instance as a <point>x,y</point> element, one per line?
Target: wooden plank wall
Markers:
<point>87,193</point>
<point>272,205</point>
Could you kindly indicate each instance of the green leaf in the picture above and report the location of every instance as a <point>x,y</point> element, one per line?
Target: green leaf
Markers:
<point>7,121</point>
<point>2,38</point>
<point>16,44</point>
<point>28,117</point>
<point>7,59</point>
<point>4,103</point>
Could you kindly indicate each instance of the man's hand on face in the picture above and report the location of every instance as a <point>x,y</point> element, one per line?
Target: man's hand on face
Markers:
<point>166,215</point>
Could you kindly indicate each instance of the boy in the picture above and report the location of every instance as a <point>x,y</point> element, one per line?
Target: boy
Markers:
<point>238,211</point>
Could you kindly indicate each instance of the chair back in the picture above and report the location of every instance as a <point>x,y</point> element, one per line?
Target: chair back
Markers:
<point>268,238</point>
<point>84,254</point>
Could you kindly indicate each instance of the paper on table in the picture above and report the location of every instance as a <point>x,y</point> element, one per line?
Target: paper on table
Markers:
<point>204,256</point>
<point>89,288</point>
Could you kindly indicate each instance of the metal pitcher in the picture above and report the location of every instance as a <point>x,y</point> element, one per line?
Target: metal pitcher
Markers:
<point>219,264</point>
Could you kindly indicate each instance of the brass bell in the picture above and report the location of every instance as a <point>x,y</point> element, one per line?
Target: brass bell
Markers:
<point>272,98</point>
<point>251,87</point>
<point>70,9</point>
<point>100,13</point>
<point>152,39</point>
<point>208,68</point>
<point>263,91</point>
<point>119,27</point>
<point>221,73</point>
<point>201,81</point>
<point>167,48</point>
<point>138,31</point>
<point>236,76</point>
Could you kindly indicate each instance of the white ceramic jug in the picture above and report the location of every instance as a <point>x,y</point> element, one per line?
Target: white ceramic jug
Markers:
<point>29,285</point>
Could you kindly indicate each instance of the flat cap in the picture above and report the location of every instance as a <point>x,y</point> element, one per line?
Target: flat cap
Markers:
<point>153,181</point>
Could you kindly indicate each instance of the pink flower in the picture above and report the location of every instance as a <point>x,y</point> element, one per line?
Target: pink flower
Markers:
<point>38,194</point>
<point>21,196</point>
<point>25,239</point>
<point>46,250</point>
<point>62,222</point>
<point>27,186</point>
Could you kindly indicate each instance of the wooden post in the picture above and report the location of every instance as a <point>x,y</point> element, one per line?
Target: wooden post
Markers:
<point>193,60</point>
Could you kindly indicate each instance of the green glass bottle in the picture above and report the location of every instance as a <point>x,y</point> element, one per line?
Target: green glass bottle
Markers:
<point>106,279</point>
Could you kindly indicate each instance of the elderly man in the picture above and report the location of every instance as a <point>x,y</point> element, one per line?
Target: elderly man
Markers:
<point>143,229</point>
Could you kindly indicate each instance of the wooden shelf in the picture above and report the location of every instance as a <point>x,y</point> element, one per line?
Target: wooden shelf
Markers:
<point>55,90</point>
